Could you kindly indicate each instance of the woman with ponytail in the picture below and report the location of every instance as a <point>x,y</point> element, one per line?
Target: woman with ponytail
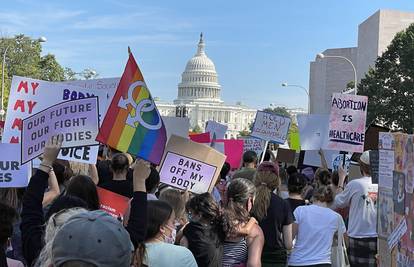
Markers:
<point>158,249</point>
<point>314,229</point>
<point>204,234</point>
<point>244,240</point>
<point>274,216</point>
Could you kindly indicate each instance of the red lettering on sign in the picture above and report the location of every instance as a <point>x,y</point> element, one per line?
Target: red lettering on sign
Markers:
<point>17,123</point>
<point>14,140</point>
<point>19,104</point>
<point>31,105</point>
<point>34,87</point>
<point>23,85</point>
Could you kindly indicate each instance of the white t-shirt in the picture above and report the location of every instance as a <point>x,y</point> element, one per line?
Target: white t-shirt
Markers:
<point>163,254</point>
<point>361,196</point>
<point>316,228</point>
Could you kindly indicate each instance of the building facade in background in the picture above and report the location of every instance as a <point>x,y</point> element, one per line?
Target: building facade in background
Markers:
<point>331,75</point>
<point>199,98</point>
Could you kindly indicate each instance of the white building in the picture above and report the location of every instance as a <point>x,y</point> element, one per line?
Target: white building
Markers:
<point>199,97</point>
<point>331,75</point>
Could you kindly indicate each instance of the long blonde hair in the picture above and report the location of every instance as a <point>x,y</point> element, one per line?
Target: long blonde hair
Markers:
<point>266,182</point>
<point>53,225</point>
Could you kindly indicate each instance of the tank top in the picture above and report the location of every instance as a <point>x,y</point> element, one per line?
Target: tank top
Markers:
<point>235,253</point>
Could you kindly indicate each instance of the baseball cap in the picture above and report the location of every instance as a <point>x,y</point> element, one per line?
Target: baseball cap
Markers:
<point>93,237</point>
<point>365,157</point>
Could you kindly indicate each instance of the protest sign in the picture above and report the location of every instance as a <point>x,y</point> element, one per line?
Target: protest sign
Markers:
<point>347,122</point>
<point>200,138</point>
<point>385,212</point>
<point>286,155</point>
<point>77,120</point>
<point>216,130</point>
<point>190,165</point>
<point>386,141</point>
<point>176,126</point>
<point>312,158</point>
<point>233,149</point>
<point>271,127</point>
<point>372,136</point>
<point>254,144</point>
<point>385,168</point>
<point>109,85</point>
<point>12,173</point>
<point>294,141</point>
<point>313,131</point>
<point>114,204</point>
<point>30,96</point>
<point>337,160</point>
<point>133,123</point>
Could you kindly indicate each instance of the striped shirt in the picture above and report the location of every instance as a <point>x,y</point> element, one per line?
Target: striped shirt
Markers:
<point>235,253</point>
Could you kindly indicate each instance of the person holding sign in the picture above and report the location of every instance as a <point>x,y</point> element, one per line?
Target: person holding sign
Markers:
<point>360,196</point>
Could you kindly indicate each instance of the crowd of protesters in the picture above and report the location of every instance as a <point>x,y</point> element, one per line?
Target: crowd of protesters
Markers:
<point>263,214</point>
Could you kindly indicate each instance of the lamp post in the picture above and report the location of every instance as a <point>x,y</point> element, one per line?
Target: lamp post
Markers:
<point>322,56</point>
<point>285,84</point>
<point>42,39</point>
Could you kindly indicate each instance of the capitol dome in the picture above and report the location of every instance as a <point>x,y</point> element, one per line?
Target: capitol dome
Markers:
<point>199,81</point>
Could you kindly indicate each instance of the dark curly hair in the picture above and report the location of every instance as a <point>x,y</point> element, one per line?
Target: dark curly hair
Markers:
<point>8,216</point>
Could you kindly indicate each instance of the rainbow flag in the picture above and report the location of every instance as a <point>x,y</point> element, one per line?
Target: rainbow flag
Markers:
<point>132,123</point>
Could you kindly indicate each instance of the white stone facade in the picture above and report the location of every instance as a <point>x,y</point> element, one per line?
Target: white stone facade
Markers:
<point>330,75</point>
<point>199,95</point>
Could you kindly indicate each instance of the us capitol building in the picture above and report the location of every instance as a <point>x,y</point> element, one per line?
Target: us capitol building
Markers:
<point>199,98</point>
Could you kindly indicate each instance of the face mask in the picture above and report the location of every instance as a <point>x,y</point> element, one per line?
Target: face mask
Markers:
<point>170,239</point>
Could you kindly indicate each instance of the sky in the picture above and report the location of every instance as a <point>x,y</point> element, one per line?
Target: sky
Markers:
<point>255,45</point>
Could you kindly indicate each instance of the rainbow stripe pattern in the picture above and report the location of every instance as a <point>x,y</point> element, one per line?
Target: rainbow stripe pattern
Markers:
<point>132,123</point>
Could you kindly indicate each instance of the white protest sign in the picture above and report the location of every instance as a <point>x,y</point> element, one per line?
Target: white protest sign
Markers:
<point>176,126</point>
<point>312,158</point>
<point>12,173</point>
<point>386,168</point>
<point>271,127</point>
<point>107,84</point>
<point>397,234</point>
<point>190,165</point>
<point>338,160</point>
<point>216,130</point>
<point>347,122</point>
<point>254,144</point>
<point>30,96</point>
<point>313,131</point>
<point>77,120</point>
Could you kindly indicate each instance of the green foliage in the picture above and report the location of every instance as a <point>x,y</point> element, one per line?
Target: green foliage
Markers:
<point>278,110</point>
<point>390,86</point>
<point>197,129</point>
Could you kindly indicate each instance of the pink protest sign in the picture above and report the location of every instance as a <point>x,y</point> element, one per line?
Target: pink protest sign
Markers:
<point>77,120</point>
<point>347,122</point>
<point>233,149</point>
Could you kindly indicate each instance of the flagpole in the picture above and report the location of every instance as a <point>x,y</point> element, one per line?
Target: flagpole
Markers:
<point>129,51</point>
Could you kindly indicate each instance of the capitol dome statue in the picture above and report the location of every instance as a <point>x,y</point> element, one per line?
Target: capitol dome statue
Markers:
<point>199,83</point>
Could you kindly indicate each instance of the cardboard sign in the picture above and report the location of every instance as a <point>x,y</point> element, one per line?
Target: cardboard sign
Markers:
<point>216,130</point>
<point>312,158</point>
<point>114,204</point>
<point>313,131</point>
<point>200,138</point>
<point>176,126</point>
<point>12,173</point>
<point>77,120</point>
<point>347,122</point>
<point>30,96</point>
<point>337,160</point>
<point>254,144</point>
<point>286,155</point>
<point>189,165</point>
<point>271,127</point>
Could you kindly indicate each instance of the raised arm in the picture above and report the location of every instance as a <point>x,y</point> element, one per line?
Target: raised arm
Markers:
<point>54,190</point>
<point>137,223</point>
<point>32,225</point>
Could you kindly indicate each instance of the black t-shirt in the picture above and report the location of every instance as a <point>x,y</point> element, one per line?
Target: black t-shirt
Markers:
<point>205,243</point>
<point>294,203</point>
<point>121,187</point>
<point>105,173</point>
<point>278,215</point>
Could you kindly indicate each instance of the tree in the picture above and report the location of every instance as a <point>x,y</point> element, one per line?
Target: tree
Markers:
<point>390,86</point>
<point>279,111</point>
<point>23,58</point>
